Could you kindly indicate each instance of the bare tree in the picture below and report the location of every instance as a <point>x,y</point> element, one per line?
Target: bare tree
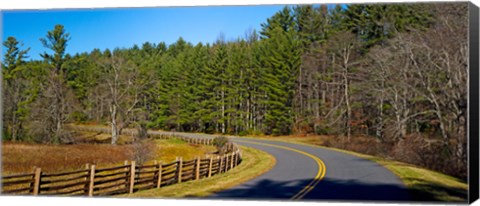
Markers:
<point>51,110</point>
<point>122,87</point>
<point>394,84</point>
<point>440,62</point>
<point>344,48</point>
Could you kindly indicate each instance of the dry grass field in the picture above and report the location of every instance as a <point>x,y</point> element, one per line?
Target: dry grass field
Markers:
<point>22,157</point>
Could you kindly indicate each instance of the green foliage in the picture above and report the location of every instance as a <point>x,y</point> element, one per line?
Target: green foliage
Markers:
<point>18,91</point>
<point>375,23</point>
<point>279,62</point>
<point>56,40</point>
<point>13,57</point>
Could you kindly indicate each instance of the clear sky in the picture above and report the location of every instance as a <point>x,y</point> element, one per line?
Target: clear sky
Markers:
<point>111,28</point>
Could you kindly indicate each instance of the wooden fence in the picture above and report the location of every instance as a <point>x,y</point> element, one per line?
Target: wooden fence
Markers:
<point>128,178</point>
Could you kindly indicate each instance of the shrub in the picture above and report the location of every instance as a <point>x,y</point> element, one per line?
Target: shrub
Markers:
<point>429,152</point>
<point>143,151</point>
<point>242,133</point>
<point>221,144</point>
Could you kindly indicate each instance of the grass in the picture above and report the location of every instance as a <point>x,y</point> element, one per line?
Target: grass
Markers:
<point>423,184</point>
<point>22,157</point>
<point>254,163</point>
<point>168,150</point>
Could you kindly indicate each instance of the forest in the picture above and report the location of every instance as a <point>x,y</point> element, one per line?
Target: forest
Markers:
<point>390,77</point>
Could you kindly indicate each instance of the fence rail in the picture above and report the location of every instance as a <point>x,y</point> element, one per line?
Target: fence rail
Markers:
<point>127,178</point>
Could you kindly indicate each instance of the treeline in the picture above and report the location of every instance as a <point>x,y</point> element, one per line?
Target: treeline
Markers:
<point>394,73</point>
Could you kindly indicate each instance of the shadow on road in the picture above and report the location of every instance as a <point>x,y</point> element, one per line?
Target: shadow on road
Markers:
<point>327,189</point>
<point>331,190</point>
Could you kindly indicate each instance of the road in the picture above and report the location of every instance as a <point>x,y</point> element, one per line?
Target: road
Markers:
<point>312,173</point>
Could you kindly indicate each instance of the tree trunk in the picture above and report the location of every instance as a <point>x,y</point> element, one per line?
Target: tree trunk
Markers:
<point>379,129</point>
<point>113,121</point>
<point>349,109</point>
<point>223,111</point>
<point>346,85</point>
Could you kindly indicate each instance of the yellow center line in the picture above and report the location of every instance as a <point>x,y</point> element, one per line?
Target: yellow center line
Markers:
<point>322,169</point>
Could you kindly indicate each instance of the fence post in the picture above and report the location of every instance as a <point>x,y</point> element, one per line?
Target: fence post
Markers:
<point>132,177</point>
<point>210,163</point>
<point>220,167</point>
<point>236,159</point>
<point>155,164</point>
<point>232,157</point>
<point>197,169</point>
<point>91,181</point>
<point>227,159</point>
<point>36,180</point>
<point>127,170</point>
<point>227,164</point>
<point>159,180</point>
<point>87,178</point>
<point>179,168</point>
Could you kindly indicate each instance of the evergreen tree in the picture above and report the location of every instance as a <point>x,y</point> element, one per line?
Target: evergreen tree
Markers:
<point>15,88</point>
<point>280,59</point>
<point>375,23</point>
<point>56,92</point>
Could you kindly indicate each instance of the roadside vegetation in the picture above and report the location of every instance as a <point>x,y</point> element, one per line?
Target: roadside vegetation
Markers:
<point>254,163</point>
<point>22,157</point>
<point>424,184</point>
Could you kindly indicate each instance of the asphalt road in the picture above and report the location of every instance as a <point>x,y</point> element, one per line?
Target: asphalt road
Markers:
<point>312,173</point>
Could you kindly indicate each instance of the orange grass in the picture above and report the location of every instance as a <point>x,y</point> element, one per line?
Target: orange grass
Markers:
<point>21,158</point>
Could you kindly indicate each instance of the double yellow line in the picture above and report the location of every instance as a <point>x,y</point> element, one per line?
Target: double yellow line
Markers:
<point>322,169</point>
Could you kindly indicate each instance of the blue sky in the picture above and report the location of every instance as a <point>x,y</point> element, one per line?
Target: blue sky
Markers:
<point>110,28</point>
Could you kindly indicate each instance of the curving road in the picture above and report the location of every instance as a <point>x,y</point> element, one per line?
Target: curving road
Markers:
<point>312,173</point>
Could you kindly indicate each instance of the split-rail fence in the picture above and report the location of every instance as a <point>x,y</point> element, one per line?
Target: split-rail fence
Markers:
<point>127,178</point>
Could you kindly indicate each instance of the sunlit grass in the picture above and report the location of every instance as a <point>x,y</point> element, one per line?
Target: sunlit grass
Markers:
<point>168,150</point>
<point>254,163</point>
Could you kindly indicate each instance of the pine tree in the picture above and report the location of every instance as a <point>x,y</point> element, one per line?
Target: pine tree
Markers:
<point>57,92</point>
<point>280,59</point>
<point>15,88</point>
